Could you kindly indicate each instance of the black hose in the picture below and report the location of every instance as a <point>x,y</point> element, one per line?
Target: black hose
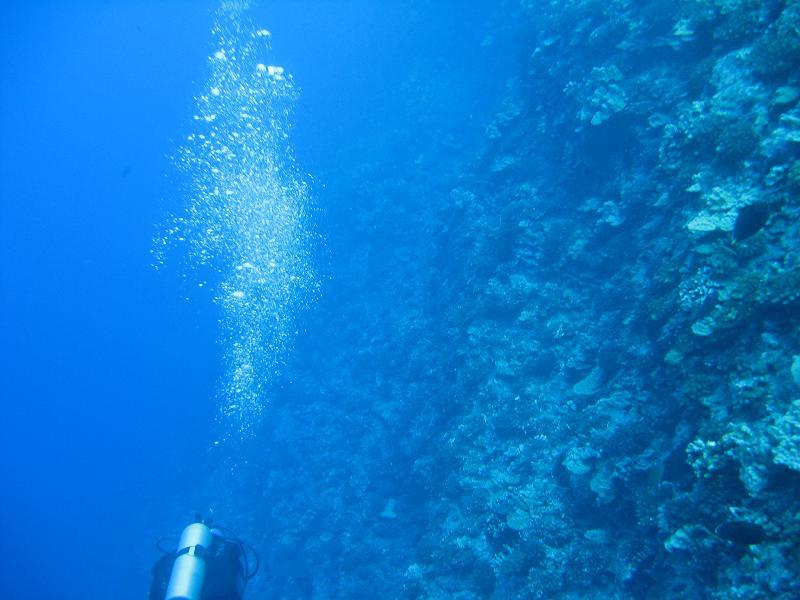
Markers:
<point>244,547</point>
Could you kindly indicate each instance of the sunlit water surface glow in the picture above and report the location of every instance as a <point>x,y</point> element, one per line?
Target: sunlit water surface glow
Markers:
<point>246,219</point>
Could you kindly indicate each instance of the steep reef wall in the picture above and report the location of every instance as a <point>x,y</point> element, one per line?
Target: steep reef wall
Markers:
<point>578,355</point>
<point>626,319</point>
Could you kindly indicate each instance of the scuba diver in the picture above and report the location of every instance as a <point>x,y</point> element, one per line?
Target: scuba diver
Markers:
<point>208,563</point>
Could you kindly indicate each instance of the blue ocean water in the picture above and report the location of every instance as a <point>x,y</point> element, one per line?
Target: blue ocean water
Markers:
<point>423,300</point>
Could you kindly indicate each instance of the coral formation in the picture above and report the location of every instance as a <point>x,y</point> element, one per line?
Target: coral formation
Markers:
<point>580,356</point>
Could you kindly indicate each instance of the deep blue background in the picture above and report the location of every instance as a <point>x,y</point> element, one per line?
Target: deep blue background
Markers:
<point>108,371</point>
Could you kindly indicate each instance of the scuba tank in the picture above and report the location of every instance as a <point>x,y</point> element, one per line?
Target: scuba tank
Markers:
<point>208,563</point>
<point>189,568</point>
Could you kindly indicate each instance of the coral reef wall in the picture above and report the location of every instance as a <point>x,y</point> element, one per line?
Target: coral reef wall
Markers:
<point>567,365</point>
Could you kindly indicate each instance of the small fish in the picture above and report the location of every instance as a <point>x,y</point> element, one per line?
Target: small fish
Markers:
<point>741,532</point>
<point>750,220</point>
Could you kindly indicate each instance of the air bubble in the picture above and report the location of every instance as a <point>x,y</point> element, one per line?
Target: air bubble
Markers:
<point>247,207</point>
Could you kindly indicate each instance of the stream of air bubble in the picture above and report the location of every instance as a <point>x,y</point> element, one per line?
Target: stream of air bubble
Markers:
<point>245,219</point>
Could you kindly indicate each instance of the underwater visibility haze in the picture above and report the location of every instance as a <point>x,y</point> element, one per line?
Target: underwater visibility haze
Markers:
<point>420,299</point>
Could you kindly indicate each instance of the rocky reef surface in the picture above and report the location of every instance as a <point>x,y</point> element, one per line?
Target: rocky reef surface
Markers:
<point>567,365</point>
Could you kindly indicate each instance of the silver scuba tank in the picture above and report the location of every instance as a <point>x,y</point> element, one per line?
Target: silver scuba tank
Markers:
<point>189,569</point>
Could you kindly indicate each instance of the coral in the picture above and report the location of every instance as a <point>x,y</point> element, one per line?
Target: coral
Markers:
<point>590,384</point>
<point>786,435</point>
<point>778,50</point>
<point>691,538</point>
<point>737,141</point>
<point>794,175</point>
